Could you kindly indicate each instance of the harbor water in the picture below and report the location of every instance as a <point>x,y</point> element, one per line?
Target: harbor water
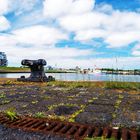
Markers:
<point>81,77</point>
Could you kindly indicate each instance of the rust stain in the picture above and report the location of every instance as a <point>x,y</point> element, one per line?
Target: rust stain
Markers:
<point>69,130</point>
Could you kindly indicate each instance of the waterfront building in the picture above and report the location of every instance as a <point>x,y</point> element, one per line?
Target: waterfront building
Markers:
<point>3,59</point>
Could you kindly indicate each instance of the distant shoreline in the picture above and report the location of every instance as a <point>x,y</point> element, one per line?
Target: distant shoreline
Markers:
<point>3,72</point>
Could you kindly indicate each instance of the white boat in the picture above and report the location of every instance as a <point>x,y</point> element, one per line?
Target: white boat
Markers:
<point>96,71</point>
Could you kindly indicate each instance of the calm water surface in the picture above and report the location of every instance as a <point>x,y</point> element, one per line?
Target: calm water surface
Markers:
<point>81,77</point>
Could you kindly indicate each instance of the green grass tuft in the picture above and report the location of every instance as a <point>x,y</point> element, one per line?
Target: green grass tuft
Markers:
<point>122,85</point>
<point>99,138</point>
<point>39,115</point>
<point>11,114</point>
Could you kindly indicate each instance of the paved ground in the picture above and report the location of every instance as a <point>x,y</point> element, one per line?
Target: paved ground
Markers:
<point>96,106</point>
<point>17,134</point>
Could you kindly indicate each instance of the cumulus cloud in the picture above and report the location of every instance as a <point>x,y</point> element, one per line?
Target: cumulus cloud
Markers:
<point>87,35</point>
<point>47,52</point>
<point>17,6</point>
<point>7,40</point>
<point>37,31</point>
<point>50,53</point>
<point>21,6</point>
<point>29,19</point>
<point>105,8</point>
<point>4,6</point>
<point>117,28</point>
<point>136,50</point>
<point>123,62</point>
<point>84,21</point>
<point>66,57</point>
<point>37,42</point>
<point>122,39</point>
<point>4,23</point>
<point>4,9</point>
<point>53,8</point>
<point>33,36</point>
<point>39,35</point>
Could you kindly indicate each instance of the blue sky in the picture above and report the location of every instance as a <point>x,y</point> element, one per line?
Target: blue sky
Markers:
<point>129,5</point>
<point>70,33</point>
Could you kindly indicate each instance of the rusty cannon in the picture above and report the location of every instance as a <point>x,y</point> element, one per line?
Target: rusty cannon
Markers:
<point>37,71</point>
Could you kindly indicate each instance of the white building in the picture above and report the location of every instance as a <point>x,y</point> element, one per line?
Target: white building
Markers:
<point>3,59</point>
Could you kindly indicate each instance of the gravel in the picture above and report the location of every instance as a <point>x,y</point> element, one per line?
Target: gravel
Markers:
<point>17,134</point>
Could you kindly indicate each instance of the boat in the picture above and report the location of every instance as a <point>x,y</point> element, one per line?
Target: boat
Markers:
<point>95,70</point>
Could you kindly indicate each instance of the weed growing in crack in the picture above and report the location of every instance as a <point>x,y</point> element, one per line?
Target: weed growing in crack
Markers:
<point>61,118</point>
<point>117,104</point>
<point>5,101</point>
<point>61,104</point>
<point>114,115</point>
<point>8,82</point>
<point>39,115</point>
<point>72,85</point>
<point>34,102</point>
<point>2,95</point>
<point>73,116</point>
<point>24,106</point>
<point>121,96</point>
<point>11,114</point>
<point>92,100</point>
<point>122,85</point>
<point>45,97</point>
<point>99,138</point>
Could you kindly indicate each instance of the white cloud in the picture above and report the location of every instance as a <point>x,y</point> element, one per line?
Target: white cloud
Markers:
<point>39,35</point>
<point>29,19</point>
<point>21,6</point>
<point>4,23</point>
<point>66,52</point>
<point>63,57</point>
<point>50,53</point>
<point>123,62</point>
<point>122,39</point>
<point>105,8</point>
<point>136,50</point>
<point>82,17</point>
<point>117,28</point>
<point>53,8</point>
<point>84,21</point>
<point>87,21</point>
<point>18,6</point>
<point>4,6</point>
<point>123,21</point>
<point>37,42</point>
<point>136,53</point>
<point>87,35</point>
<point>7,40</point>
